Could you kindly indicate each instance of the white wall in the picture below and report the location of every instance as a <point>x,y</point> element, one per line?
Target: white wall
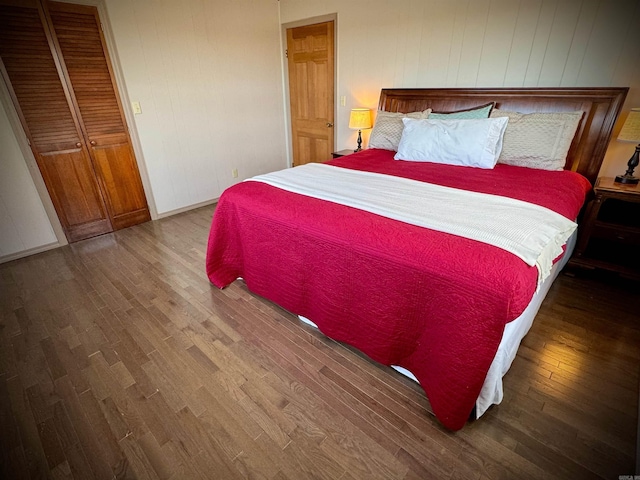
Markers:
<point>24,225</point>
<point>480,43</point>
<point>208,76</point>
<point>209,80</point>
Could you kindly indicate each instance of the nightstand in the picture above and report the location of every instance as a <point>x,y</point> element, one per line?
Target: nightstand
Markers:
<point>342,153</point>
<point>609,235</point>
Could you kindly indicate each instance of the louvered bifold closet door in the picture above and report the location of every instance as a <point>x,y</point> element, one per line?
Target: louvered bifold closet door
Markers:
<point>86,62</point>
<point>31,71</point>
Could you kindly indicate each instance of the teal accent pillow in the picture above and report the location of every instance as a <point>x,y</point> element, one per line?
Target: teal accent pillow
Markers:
<point>482,111</point>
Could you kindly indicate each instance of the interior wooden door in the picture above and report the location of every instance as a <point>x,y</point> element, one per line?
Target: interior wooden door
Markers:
<point>32,74</point>
<point>86,63</point>
<point>310,52</point>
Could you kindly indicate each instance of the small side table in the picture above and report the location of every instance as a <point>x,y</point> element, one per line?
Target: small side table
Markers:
<point>342,153</point>
<point>609,235</point>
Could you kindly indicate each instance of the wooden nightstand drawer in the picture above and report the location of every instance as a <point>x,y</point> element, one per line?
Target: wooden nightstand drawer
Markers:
<point>617,233</point>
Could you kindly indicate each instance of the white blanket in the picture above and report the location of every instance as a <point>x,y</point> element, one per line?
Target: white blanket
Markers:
<point>533,233</point>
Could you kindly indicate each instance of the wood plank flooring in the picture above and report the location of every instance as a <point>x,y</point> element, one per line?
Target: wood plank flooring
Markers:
<point>118,359</point>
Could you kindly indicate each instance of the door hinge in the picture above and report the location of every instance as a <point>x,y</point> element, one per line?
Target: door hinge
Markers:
<point>286,53</point>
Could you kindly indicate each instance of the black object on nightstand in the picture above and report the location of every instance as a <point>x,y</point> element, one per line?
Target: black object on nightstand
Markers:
<point>609,234</point>
<point>342,153</point>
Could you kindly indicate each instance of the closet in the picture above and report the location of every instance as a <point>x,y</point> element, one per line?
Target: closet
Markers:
<point>54,61</point>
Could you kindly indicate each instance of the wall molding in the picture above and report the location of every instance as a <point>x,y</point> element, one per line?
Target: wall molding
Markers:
<point>187,208</point>
<point>31,251</point>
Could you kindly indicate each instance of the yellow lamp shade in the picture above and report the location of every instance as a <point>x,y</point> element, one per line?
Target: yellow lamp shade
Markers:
<point>631,129</point>
<point>360,118</point>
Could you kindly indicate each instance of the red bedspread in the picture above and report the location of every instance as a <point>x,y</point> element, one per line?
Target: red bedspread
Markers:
<point>433,303</point>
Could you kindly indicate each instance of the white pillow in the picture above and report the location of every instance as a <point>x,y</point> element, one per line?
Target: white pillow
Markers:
<point>538,140</point>
<point>388,128</point>
<point>468,142</point>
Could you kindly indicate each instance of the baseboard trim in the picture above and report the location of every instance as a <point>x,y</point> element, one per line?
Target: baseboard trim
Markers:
<point>186,209</point>
<point>51,246</point>
<point>29,252</point>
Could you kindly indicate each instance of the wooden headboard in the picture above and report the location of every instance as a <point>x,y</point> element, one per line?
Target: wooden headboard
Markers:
<point>601,107</point>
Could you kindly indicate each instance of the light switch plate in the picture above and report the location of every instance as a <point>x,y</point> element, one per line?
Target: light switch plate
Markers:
<point>137,110</point>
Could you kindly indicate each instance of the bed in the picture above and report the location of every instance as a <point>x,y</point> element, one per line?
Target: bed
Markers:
<point>435,298</point>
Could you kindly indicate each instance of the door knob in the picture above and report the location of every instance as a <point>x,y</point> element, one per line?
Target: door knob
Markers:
<point>78,144</point>
<point>329,124</point>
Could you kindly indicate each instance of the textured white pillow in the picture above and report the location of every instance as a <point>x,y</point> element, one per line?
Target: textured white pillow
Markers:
<point>538,140</point>
<point>388,128</point>
<point>468,142</point>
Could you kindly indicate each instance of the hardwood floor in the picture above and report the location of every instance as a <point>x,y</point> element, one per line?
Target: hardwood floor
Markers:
<point>118,359</point>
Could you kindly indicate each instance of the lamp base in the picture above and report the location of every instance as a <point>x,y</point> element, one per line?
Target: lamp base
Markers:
<point>627,179</point>
<point>359,142</point>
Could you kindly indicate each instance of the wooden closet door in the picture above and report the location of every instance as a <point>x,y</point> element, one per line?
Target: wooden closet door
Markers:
<point>32,74</point>
<point>79,38</point>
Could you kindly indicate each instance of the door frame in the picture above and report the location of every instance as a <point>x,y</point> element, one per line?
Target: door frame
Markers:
<point>285,77</point>
<point>34,172</point>
<point>30,160</point>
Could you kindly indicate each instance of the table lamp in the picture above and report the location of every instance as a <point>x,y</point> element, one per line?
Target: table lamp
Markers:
<point>630,133</point>
<point>359,120</point>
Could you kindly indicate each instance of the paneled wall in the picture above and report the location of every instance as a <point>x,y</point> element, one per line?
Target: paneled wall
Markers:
<point>483,43</point>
